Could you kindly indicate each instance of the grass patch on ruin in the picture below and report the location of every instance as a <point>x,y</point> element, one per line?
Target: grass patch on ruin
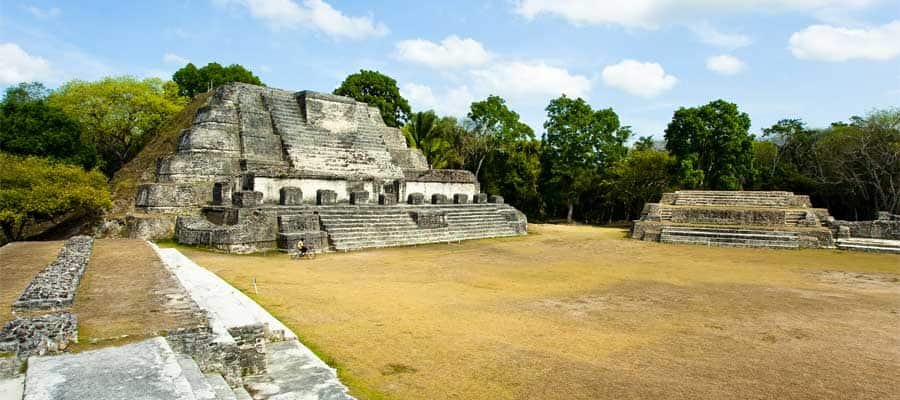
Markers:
<point>127,295</point>
<point>579,312</point>
<point>19,263</point>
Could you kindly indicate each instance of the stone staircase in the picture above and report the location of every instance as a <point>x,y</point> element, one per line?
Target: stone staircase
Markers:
<point>358,227</point>
<point>731,237</point>
<point>733,199</point>
<point>869,245</point>
<point>315,150</point>
<point>145,370</point>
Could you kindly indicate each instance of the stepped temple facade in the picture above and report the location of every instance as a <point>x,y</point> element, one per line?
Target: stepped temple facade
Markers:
<point>759,219</point>
<point>261,168</point>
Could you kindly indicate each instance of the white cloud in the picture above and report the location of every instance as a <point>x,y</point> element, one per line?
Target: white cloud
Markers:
<point>175,59</point>
<point>710,35</point>
<point>41,13</point>
<point>317,14</point>
<point>16,65</point>
<point>725,64</point>
<point>650,14</point>
<point>454,102</point>
<point>514,79</point>
<point>452,52</point>
<point>638,78</point>
<point>831,43</point>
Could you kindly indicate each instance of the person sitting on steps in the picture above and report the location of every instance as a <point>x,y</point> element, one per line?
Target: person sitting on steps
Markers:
<point>301,247</point>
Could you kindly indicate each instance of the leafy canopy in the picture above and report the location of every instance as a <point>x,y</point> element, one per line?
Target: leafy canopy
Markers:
<point>493,128</point>
<point>379,91</point>
<point>118,116</point>
<point>580,143</point>
<point>193,81</point>
<point>34,190</point>
<point>30,126</point>
<point>712,146</point>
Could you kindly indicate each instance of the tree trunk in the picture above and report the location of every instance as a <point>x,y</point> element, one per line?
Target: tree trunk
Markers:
<point>478,168</point>
<point>569,215</point>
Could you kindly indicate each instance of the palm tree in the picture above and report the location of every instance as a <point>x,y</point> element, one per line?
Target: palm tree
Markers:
<point>430,134</point>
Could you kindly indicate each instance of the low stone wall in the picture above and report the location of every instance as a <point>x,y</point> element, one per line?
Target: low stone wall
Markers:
<point>257,232</point>
<point>38,335</point>
<point>54,287</point>
<point>887,226</point>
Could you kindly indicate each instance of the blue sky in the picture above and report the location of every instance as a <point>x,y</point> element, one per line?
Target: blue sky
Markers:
<point>819,60</point>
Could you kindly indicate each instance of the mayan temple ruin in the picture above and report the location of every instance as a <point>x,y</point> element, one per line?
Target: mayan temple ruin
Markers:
<point>261,168</point>
<point>759,219</point>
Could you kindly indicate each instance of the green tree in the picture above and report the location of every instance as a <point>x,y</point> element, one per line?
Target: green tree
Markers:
<point>118,116</point>
<point>377,90</point>
<point>713,145</point>
<point>861,160</point>
<point>580,143</point>
<point>29,126</point>
<point>644,143</point>
<point>493,128</point>
<point>35,190</point>
<point>641,177</point>
<point>434,137</point>
<point>193,81</point>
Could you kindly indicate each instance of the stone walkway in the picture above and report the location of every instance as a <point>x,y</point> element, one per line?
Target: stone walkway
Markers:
<point>295,372</point>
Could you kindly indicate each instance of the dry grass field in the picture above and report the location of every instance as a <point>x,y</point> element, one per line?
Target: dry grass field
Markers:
<point>19,263</point>
<point>581,313</point>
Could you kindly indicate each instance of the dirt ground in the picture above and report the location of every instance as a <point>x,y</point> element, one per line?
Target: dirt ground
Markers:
<point>19,263</point>
<point>126,295</point>
<point>581,313</point>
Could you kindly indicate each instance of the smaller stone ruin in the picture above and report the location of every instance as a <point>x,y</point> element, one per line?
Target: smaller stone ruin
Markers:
<point>736,218</point>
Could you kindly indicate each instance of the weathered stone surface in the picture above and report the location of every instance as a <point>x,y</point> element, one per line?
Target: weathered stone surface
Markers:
<point>290,196</point>
<point>316,241</point>
<point>416,198</point>
<point>887,226</point>
<point>246,199</point>
<point>326,197</point>
<point>735,218</point>
<point>150,227</point>
<point>480,198</point>
<point>387,199</point>
<point>54,287</point>
<point>429,219</point>
<point>38,335</point>
<point>460,198</point>
<point>439,199</point>
<point>221,193</point>
<point>315,380</point>
<point>299,223</point>
<point>281,143</point>
<point>251,344</point>
<point>495,199</point>
<point>359,198</point>
<point>145,370</point>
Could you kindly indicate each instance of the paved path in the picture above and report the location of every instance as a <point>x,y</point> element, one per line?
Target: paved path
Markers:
<point>295,372</point>
<point>145,370</point>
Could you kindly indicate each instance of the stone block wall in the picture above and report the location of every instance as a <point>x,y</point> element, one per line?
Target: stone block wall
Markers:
<point>39,335</point>
<point>887,226</point>
<point>54,287</point>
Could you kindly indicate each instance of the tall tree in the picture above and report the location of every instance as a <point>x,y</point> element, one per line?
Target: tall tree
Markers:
<point>641,177</point>
<point>379,91</point>
<point>713,145</point>
<point>193,81</point>
<point>493,127</point>
<point>580,143</point>
<point>29,126</point>
<point>117,115</point>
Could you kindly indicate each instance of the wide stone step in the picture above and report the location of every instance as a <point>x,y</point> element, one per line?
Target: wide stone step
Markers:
<point>220,387</point>
<point>870,245</point>
<point>356,245</point>
<point>729,242</point>
<point>294,372</point>
<point>415,234</point>
<point>145,370</point>
<point>728,235</point>
<point>199,384</point>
